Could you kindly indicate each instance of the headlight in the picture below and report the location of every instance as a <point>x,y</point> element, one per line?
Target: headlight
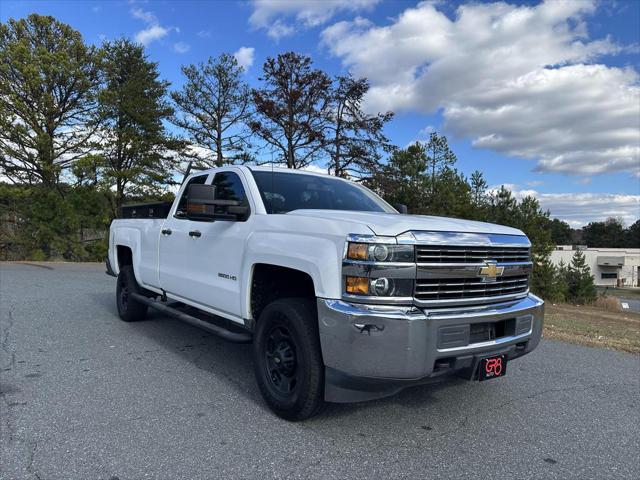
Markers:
<point>379,287</point>
<point>379,252</point>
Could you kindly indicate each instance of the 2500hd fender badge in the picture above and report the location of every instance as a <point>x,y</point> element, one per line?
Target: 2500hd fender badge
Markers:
<point>227,276</point>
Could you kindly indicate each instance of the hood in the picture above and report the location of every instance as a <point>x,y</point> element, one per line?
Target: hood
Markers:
<point>393,224</point>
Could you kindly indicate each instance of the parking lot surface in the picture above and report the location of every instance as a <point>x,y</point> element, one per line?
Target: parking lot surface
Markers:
<point>87,396</point>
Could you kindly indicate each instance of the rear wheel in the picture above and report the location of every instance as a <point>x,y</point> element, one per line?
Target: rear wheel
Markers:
<point>129,308</point>
<point>288,360</point>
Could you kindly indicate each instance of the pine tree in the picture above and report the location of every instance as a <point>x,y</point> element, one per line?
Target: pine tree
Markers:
<point>403,179</point>
<point>502,207</point>
<point>560,284</point>
<point>632,235</point>
<point>543,279</point>
<point>561,232</point>
<point>581,287</point>
<point>292,108</point>
<point>355,139</point>
<point>48,82</point>
<point>479,188</point>
<point>214,106</point>
<point>132,139</point>
<point>608,234</point>
<point>439,158</point>
<point>454,195</point>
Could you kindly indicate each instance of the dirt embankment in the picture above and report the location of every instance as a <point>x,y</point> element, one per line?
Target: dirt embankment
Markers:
<point>593,326</point>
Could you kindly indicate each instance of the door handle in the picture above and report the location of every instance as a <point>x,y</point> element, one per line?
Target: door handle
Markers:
<point>195,233</point>
<point>166,231</point>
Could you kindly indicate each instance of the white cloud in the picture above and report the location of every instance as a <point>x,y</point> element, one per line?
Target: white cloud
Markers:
<point>245,57</point>
<point>145,16</point>
<point>154,30</point>
<point>279,29</point>
<point>513,187</point>
<point>426,131</point>
<point>535,183</point>
<point>270,14</point>
<point>204,33</point>
<point>181,47</point>
<point>150,34</point>
<point>518,80</point>
<point>578,209</point>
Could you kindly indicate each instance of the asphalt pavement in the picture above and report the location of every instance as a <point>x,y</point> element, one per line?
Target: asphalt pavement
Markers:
<point>633,304</point>
<point>87,396</point>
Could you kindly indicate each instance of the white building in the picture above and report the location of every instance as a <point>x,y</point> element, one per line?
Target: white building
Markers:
<point>609,266</point>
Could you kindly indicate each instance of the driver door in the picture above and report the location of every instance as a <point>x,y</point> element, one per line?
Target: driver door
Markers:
<point>175,245</point>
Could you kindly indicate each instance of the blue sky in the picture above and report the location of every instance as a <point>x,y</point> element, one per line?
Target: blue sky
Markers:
<point>542,97</point>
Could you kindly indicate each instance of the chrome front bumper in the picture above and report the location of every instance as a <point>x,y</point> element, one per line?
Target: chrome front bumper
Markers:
<point>372,351</point>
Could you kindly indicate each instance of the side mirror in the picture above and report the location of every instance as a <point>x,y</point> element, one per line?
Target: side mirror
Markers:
<point>401,208</point>
<point>203,205</point>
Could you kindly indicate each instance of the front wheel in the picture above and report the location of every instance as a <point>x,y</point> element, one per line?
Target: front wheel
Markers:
<point>287,358</point>
<point>129,308</point>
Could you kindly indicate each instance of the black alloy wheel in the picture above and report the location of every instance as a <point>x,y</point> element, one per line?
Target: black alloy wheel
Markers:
<point>129,309</point>
<point>287,358</point>
<point>280,360</point>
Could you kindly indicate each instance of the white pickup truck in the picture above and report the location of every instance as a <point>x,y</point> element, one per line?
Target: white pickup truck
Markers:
<point>343,298</point>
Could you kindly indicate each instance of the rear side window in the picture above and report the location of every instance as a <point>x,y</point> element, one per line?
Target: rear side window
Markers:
<point>181,210</point>
<point>229,187</point>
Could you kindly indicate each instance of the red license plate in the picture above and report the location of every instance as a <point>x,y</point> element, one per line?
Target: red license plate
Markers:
<point>492,367</point>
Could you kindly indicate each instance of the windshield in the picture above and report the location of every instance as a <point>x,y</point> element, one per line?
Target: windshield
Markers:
<point>283,192</point>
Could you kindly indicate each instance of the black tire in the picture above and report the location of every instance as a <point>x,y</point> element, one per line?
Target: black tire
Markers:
<point>287,358</point>
<point>129,309</point>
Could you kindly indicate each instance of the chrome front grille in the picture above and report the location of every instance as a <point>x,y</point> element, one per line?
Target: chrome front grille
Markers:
<point>471,270</point>
<point>450,270</point>
<point>466,288</point>
<point>447,254</point>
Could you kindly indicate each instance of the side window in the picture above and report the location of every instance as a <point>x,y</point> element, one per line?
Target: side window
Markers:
<point>181,209</point>
<point>229,187</point>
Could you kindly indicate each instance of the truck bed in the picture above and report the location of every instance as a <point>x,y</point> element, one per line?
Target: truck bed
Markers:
<point>146,210</point>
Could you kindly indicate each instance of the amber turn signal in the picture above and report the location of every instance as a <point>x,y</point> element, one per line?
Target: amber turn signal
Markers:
<point>357,251</point>
<point>357,285</point>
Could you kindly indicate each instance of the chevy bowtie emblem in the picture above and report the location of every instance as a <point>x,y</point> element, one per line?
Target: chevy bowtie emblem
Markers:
<point>490,271</point>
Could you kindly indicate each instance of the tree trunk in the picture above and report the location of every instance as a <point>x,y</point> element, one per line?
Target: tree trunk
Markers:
<point>219,156</point>
<point>290,155</point>
<point>46,154</point>
<point>119,195</point>
<point>337,162</point>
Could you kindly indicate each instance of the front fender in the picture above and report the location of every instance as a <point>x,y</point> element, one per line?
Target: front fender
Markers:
<point>320,257</point>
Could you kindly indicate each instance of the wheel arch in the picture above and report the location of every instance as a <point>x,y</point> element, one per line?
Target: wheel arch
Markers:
<point>271,282</point>
<point>124,256</point>
<point>126,249</point>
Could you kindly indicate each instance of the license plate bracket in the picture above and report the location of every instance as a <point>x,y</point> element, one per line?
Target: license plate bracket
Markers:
<point>492,367</point>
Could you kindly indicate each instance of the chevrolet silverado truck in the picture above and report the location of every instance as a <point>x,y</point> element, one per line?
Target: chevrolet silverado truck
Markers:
<point>343,298</point>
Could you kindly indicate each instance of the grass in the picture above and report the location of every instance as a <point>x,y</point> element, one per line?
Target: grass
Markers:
<point>610,303</point>
<point>593,326</point>
<point>620,292</point>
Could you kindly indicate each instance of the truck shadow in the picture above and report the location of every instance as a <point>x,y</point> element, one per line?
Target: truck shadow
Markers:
<point>228,361</point>
<point>232,363</point>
